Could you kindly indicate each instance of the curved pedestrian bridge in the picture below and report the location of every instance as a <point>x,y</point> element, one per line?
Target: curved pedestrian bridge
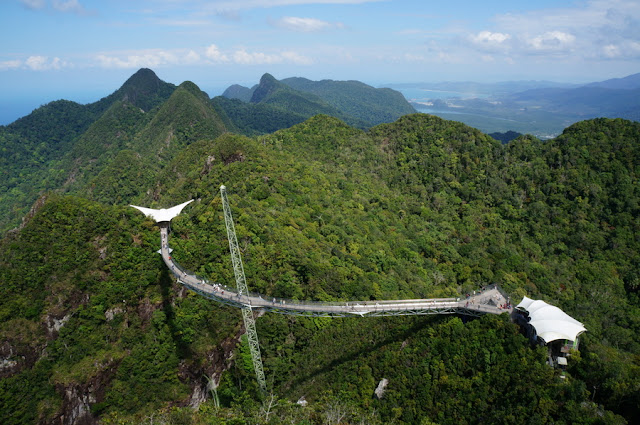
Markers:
<point>491,300</point>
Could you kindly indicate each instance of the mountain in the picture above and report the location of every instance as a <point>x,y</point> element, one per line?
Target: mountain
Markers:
<point>618,97</point>
<point>540,108</point>
<point>273,92</point>
<point>84,149</point>
<point>354,102</point>
<point>94,329</point>
<point>143,89</point>
<point>274,105</point>
<point>252,119</point>
<point>239,92</point>
<point>505,137</point>
<point>587,102</point>
<point>357,99</point>
<point>629,82</point>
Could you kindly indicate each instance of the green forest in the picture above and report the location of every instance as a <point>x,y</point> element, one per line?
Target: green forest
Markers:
<point>94,329</point>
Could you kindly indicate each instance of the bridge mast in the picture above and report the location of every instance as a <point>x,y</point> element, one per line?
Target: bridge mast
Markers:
<point>241,283</point>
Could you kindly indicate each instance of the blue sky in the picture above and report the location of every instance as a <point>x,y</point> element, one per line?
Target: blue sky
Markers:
<point>85,49</point>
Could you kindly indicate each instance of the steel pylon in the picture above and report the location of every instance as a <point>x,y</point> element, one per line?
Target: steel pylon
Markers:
<point>241,284</point>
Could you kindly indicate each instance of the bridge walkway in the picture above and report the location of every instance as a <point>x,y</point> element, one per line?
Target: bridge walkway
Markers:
<point>491,300</point>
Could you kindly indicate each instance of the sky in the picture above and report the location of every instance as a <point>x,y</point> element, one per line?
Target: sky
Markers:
<point>83,50</point>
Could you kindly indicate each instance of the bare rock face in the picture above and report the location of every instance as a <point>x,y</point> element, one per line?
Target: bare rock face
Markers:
<point>208,165</point>
<point>54,325</point>
<point>112,313</point>
<point>7,366</point>
<point>379,391</point>
<point>77,398</point>
<point>198,396</point>
<point>34,209</point>
<point>208,377</point>
<point>76,406</point>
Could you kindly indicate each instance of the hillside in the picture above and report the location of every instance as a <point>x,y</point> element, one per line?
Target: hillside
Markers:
<point>93,327</point>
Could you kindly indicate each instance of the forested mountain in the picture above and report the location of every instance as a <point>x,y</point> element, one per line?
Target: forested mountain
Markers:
<point>236,91</point>
<point>252,119</point>
<point>356,103</point>
<point>371,105</point>
<point>272,92</point>
<point>131,133</point>
<point>94,328</point>
<point>505,137</point>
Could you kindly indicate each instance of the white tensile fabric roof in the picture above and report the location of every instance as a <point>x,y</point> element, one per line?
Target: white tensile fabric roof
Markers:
<point>550,322</point>
<point>163,214</point>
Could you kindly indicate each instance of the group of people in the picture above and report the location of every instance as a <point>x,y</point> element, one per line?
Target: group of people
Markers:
<point>217,288</point>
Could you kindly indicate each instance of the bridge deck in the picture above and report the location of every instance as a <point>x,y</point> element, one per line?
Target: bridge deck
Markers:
<point>488,301</point>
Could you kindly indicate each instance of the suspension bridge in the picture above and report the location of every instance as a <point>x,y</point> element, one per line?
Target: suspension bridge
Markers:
<point>490,300</point>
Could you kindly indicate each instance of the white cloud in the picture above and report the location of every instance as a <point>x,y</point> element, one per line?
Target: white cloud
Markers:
<point>611,51</point>
<point>65,6</point>
<point>306,24</point>
<point>159,57</point>
<point>591,29</point>
<point>412,57</point>
<point>68,6</point>
<point>243,57</point>
<point>213,52</point>
<point>11,64</point>
<point>180,22</point>
<point>35,63</point>
<point>226,5</point>
<point>295,58</point>
<point>42,63</point>
<point>192,57</point>
<point>256,58</point>
<point>33,4</point>
<point>551,41</point>
<point>629,50</point>
<point>142,59</point>
<point>490,37</point>
<point>490,41</point>
<point>410,31</point>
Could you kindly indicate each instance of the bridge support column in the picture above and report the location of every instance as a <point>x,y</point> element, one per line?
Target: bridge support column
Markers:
<point>241,283</point>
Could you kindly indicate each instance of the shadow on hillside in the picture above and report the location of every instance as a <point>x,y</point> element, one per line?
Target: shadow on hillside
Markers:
<point>166,289</point>
<point>365,348</point>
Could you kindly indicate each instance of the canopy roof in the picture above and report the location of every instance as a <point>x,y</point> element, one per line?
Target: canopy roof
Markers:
<point>163,214</point>
<point>550,322</point>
